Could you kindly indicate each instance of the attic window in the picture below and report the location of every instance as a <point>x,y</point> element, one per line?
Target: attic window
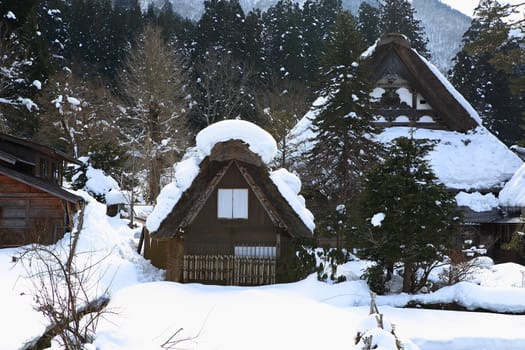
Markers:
<point>232,203</point>
<point>423,102</point>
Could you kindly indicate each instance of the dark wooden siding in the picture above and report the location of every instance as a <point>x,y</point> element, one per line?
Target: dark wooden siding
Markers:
<point>29,215</point>
<point>210,235</point>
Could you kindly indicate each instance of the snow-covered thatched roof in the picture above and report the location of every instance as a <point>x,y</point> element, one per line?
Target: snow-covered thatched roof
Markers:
<point>263,146</point>
<point>466,156</point>
<point>513,194</point>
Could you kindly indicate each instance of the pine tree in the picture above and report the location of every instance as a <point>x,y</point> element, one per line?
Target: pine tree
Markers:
<point>318,18</point>
<point>485,83</point>
<point>254,44</point>
<point>369,23</point>
<point>344,148</point>
<point>404,215</point>
<point>221,28</point>
<point>397,16</point>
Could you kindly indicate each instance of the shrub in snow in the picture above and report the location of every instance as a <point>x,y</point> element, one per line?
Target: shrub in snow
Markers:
<point>93,181</point>
<point>459,269</point>
<point>516,244</point>
<point>328,259</point>
<point>376,332</point>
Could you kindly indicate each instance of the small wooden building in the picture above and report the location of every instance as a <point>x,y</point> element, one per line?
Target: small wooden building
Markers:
<point>34,208</point>
<point>230,227</point>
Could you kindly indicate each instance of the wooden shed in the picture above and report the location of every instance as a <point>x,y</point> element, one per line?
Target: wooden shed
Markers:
<point>230,227</point>
<point>34,208</point>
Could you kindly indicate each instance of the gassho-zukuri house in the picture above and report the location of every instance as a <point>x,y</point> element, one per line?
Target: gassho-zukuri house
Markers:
<point>226,218</point>
<point>412,98</point>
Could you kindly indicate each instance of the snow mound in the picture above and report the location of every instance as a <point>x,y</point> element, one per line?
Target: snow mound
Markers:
<point>513,194</point>
<point>259,140</point>
<point>476,201</point>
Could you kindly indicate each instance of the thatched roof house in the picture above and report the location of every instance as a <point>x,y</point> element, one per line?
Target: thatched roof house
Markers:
<point>227,205</point>
<point>411,98</point>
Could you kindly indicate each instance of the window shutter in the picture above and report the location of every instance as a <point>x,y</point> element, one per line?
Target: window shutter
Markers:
<point>240,204</point>
<point>225,203</point>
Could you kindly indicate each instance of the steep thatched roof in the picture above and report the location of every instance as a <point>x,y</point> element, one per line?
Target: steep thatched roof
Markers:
<point>212,169</point>
<point>393,55</point>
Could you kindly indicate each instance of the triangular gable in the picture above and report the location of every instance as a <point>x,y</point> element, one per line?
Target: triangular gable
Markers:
<point>394,56</point>
<point>259,194</point>
<point>212,172</point>
<point>183,215</point>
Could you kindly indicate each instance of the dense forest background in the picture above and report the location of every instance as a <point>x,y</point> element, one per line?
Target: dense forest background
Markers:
<point>128,84</point>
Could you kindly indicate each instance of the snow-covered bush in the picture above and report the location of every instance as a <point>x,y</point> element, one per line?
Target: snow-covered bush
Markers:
<point>376,332</point>
<point>93,181</point>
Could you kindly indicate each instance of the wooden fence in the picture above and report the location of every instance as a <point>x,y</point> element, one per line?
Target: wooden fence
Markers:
<point>229,269</point>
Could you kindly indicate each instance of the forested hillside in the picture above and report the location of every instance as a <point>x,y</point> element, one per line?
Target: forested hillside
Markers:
<point>128,86</point>
<point>444,26</point>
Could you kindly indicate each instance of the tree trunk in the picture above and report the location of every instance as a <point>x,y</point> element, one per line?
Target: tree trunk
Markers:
<point>407,278</point>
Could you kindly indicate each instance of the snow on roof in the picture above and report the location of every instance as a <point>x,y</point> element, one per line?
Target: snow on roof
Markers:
<point>259,141</point>
<point>476,201</point>
<point>290,185</point>
<point>466,161</point>
<point>451,89</point>
<point>513,194</point>
<point>475,160</point>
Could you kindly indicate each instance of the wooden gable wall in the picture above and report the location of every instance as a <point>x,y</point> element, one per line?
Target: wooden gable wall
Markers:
<point>29,215</point>
<point>210,235</point>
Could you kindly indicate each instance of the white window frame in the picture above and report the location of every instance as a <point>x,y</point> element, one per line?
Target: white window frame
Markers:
<point>232,203</point>
<point>256,251</point>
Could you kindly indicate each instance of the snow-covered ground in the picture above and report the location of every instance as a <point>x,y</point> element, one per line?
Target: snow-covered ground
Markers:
<point>146,311</point>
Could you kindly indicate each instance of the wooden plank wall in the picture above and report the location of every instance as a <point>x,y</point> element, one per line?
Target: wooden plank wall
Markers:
<point>28,215</point>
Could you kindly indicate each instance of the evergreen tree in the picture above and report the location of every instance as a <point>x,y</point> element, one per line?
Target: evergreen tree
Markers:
<point>404,215</point>
<point>369,23</point>
<point>254,44</point>
<point>283,40</point>
<point>318,17</point>
<point>24,65</point>
<point>343,147</point>
<point>397,16</point>
<point>221,28</point>
<point>485,83</point>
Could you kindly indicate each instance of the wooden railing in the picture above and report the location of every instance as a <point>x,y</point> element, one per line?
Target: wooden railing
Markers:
<point>229,269</point>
